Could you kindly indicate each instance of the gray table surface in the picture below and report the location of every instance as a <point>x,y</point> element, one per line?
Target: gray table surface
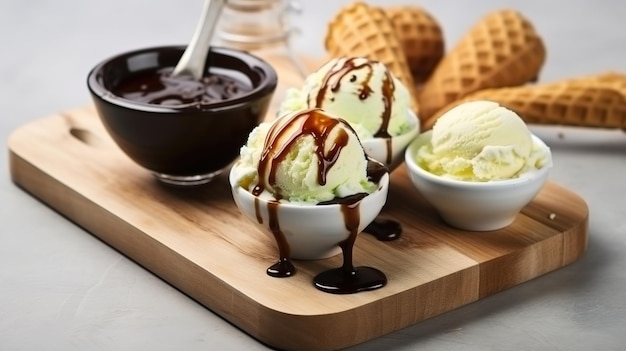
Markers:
<point>63,289</point>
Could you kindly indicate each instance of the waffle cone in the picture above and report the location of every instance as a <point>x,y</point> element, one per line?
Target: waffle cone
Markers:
<point>420,36</point>
<point>501,50</point>
<point>611,80</point>
<point>360,30</point>
<point>571,102</point>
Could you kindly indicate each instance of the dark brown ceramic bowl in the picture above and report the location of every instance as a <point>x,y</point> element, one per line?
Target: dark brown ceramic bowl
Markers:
<point>183,145</point>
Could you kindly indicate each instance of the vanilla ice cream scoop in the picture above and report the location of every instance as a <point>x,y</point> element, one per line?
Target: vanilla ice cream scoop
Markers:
<point>481,141</point>
<point>359,90</point>
<point>305,156</point>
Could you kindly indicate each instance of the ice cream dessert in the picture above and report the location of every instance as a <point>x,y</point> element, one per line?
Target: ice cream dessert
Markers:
<point>305,179</point>
<point>481,141</point>
<point>306,156</point>
<point>363,30</point>
<point>361,91</point>
<point>365,94</point>
<point>479,166</point>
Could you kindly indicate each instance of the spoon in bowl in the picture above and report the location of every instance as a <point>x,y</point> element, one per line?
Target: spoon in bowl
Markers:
<point>193,60</point>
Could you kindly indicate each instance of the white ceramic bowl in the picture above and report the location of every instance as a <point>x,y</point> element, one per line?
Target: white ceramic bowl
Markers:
<point>391,152</point>
<point>475,206</point>
<point>312,231</point>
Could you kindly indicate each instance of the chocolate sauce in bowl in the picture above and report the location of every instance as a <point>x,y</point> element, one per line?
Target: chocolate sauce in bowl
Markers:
<point>159,87</point>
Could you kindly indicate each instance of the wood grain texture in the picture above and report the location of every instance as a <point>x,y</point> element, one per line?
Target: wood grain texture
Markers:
<point>197,240</point>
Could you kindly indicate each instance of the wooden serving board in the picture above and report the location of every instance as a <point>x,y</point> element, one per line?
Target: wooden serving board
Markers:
<point>197,240</point>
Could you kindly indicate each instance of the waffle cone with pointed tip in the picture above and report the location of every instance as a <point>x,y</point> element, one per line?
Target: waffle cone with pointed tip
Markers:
<point>421,38</point>
<point>501,50</point>
<point>360,30</point>
<point>576,102</point>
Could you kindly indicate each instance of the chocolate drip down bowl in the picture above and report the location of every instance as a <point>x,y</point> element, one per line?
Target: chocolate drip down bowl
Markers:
<point>184,131</point>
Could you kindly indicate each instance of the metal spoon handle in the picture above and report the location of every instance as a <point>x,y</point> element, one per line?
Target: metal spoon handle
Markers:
<point>193,60</point>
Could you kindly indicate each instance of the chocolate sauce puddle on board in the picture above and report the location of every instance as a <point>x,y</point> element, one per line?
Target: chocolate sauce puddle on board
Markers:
<point>384,229</point>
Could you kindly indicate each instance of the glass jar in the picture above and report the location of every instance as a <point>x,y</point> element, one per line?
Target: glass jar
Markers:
<point>263,27</point>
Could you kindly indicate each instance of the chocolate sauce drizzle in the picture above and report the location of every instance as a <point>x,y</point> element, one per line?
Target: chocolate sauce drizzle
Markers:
<point>384,230</point>
<point>349,279</point>
<point>381,229</point>
<point>308,122</point>
<point>281,137</point>
<point>332,82</point>
<point>279,141</point>
<point>284,267</point>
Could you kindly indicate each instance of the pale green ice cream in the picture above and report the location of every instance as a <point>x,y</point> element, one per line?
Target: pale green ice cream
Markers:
<point>361,91</point>
<point>305,156</point>
<point>481,141</point>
